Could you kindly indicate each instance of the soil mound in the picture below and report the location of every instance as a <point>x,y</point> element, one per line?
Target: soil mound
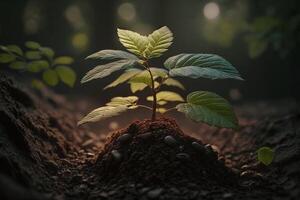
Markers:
<point>159,152</point>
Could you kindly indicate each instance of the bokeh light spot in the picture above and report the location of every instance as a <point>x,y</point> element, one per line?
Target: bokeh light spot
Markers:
<point>127,12</point>
<point>74,16</point>
<point>113,125</point>
<point>211,10</point>
<point>80,41</point>
<point>32,18</point>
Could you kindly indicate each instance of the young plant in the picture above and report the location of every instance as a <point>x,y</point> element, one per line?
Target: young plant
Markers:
<point>39,59</point>
<point>200,106</point>
<point>265,155</point>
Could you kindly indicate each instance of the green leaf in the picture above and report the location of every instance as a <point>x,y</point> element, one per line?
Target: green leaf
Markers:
<point>144,76</point>
<point>201,65</point>
<point>37,66</point>
<point>133,41</point>
<point>17,65</point>
<point>116,106</point>
<point>173,82</point>
<point>129,101</point>
<point>256,46</point>
<point>102,71</point>
<point>37,84</point>
<point>123,78</point>
<point>209,108</point>
<point>162,102</point>
<point>50,77</point>
<point>166,96</point>
<point>63,60</point>
<point>6,58</point>
<point>103,113</point>
<point>159,42</point>
<point>161,110</point>
<point>15,49</point>
<point>265,155</point>
<point>32,45</point>
<point>112,55</point>
<point>135,87</point>
<point>66,75</point>
<point>33,55</point>
<point>4,48</point>
<point>47,51</point>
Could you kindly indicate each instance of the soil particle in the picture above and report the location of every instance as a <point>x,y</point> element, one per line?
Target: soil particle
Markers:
<point>153,194</point>
<point>169,140</point>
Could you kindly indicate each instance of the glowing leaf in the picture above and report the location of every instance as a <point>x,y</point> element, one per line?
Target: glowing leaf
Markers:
<point>102,71</point>
<point>161,110</point>
<point>209,108</point>
<point>133,41</point>
<point>173,82</point>
<point>116,106</point>
<point>123,78</point>
<point>201,65</point>
<point>102,113</point>
<point>144,76</point>
<point>126,101</point>
<point>159,42</point>
<point>112,55</point>
<point>166,96</point>
<point>135,87</point>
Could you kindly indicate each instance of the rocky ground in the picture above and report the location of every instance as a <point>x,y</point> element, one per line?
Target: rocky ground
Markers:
<point>44,155</point>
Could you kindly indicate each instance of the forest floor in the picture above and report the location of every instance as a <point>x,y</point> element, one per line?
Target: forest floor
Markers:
<point>44,155</point>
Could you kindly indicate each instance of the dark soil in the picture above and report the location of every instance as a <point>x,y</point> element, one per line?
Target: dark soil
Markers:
<point>44,155</point>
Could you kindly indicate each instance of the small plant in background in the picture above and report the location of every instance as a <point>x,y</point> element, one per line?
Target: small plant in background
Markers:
<point>200,106</point>
<point>39,59</point>
<point>265,155</point>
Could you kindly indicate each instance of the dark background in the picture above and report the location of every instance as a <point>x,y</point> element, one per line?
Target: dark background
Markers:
<point>81,27</point>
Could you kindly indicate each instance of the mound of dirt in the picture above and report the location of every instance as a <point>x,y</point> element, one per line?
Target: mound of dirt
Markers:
<point>160,153</point>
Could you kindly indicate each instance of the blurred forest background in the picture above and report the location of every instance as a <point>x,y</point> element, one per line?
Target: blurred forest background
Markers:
<point>260,38</point>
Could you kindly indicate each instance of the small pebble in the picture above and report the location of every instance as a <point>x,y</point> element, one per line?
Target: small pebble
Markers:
<point>244,167</point>
<point>124,138</point>
<point>221,159</point>
<point>145,189</point>
<point>116,154</point>
<point>183,156</point>
<point>227,195</point>
<point>215,148</point>
<point>181,148</point>
<point>154,193</point>
<point>248,174</point>
<point>200,148</point>
<point>145,136</point>
<point>169,140</point>
<point>210,151</point>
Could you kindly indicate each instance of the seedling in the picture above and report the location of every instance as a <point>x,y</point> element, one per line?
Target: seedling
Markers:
<point>200,106</point>
<point>39,60</point>
<point>265,155</point>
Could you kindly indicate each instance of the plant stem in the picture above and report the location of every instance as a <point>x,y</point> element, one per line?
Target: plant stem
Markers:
<point>154,104</point>
<point>170,109</point>
<point>143,106</point>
